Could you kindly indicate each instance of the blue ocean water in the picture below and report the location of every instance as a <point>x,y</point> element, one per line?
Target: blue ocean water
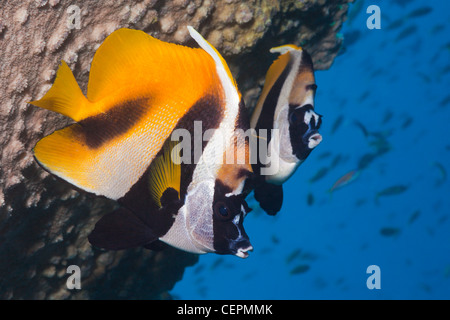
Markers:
<point>386,113</point>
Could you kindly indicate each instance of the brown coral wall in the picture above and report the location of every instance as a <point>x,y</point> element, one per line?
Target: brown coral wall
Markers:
<point>44,221</point>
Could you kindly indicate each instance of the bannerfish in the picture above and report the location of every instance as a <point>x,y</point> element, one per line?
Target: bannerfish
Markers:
<point>286,106</point>
<point>140,92</point>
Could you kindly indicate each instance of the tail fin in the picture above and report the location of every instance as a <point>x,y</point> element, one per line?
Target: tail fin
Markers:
<point>65,96</point>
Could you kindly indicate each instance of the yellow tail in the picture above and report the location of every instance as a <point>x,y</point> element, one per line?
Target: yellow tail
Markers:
<point>65,96</point>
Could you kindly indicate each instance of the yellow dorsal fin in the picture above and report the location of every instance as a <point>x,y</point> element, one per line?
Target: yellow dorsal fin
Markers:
<point>272,75</point>
<point>285,48</point>
<point>280,63</point>
<point>132,63</point>
<point>165,172</point>
<point>65,96</point>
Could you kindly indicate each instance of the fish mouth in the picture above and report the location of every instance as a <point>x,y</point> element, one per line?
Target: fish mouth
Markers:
<point>314,140</point>
<point>243,252</point>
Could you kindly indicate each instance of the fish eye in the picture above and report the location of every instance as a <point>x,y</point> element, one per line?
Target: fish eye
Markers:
<point>297,115</point>
<point>222,210</point>
<point>312,87</point>
<point>293,118</point>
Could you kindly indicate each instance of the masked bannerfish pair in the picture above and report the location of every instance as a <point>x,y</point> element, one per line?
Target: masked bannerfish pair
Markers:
<point>285,110</point>
<point>143,92</point>
<point>140,92</point>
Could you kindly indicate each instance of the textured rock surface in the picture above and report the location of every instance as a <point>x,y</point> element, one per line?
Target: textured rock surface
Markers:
<point>44,222</point>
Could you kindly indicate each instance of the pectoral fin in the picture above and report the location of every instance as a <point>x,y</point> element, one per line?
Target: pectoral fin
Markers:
<point>269,196</point>
<point>121,229</point>
<point>165,173</point>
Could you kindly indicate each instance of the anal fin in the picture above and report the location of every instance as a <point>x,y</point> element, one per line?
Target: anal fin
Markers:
<point>121,229</point>
<point>156,246</point>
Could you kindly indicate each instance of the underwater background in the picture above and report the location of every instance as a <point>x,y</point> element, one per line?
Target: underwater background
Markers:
<point>385,103</point>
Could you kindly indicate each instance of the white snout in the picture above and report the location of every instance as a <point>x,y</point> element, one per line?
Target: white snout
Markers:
<point>314,140</point>
<point>242,252</point>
